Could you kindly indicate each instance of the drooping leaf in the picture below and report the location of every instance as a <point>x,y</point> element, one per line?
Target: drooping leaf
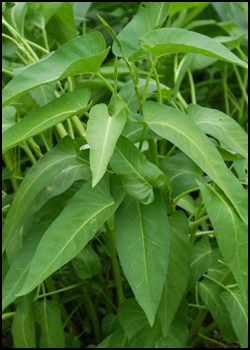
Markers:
<point>150,15</point>
<point>137,174</point>
<point>203,256</point>
<point>237,307</point>
<point>181,172</point>
<point>37,177</point>
<point>176,127</point>
<point>219,125</point>
<point>82,55</point>
<point>35,228</point>
<point>178,271</point>
<point>102,134</point>
<point>48,316</point>
<point>85,213</point>
<point>87,263</point>
<point>45,117</point>
<point>231,233</point>
<point>210,295</point>
<point>23,327</point>
<point>143,249</point>
<point>165,41</point>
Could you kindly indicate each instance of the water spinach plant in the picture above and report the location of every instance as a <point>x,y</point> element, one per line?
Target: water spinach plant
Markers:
<point>124,193</point>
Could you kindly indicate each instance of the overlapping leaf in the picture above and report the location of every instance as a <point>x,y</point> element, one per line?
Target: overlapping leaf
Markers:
<point>45,117</point>
<point>150,15</point>
<point>85,213</point>
<point>176,127</point>
<point>82,55</point>
<point>143,249</point>
<point>178,271</point>
<point>165,41</point>
<point>138,175</point>
<point>102,134</point>
<point>231,233</point>
<point>222,127</point>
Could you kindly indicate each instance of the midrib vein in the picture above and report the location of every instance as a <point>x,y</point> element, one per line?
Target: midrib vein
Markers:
<point>104,146</point>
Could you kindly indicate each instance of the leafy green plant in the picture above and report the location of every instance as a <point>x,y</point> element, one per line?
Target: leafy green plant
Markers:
<point>124,174</point>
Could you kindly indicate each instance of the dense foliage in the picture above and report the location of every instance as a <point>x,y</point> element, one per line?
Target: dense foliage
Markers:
<point>124,179</point>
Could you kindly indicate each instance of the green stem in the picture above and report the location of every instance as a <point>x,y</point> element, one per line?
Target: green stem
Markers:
<point>198,221</point>
<point>35,147</point>
<point>27,150</point>
<point>158,84</point>
<point>211,340</point>
<point>192,86</point>
<point>177,198</point>
<point>196,341</point>
<point>197,324</point>
<point>57,291</point>
<point>153,151</point>
<point>115,263</point>
<point>224,80</point>
<point>241,84</point>
<point>9,165</point>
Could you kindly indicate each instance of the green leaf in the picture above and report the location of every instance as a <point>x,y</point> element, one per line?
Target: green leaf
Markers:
<point>176,127</point>
<point>15,15</point>
<point>137,174</point>
<point>61,25</point>
<point>202,258</point>
<point>178,271</point>
<point>45,117</point>
<point>237,307</point>
<point>23,326</point>
<point>176,7</point>
<point>82,217</point>
<point>48,316</point>
<point>102,134</point>
<point>136,326</point>
<point>82,55</point>
<point>87,263</point>
<point>181,172</point>
<point>36,226</point>
<point>178,332</point>
<point>165,41</point>
<point>219,125</point>
<point>36,178</point>
<point>210,295</point>
<point>150,15</point>
<point>8,117</point>
<point>231,233</point>
<point>143,249</point>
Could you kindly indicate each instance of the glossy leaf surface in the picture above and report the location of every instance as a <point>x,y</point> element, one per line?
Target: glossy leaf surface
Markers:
<point>138,175</point>
<point>102,134</point>
<point>81,55</point>
<point>143,250</point>
<point>176,127</point>
<point>44,118</point>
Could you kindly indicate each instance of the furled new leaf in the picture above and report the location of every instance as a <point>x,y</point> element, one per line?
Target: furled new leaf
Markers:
<point>176,127</point>
<point>45,117</point>
<point>102,134</point>
<point>81,55</point>
<point>82,217</point>
<point>137,174</point>
<point>143,249</point>
<point>165,41</point>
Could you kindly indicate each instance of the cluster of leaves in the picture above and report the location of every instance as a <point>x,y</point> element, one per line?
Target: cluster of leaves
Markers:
<point>125,174</point>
